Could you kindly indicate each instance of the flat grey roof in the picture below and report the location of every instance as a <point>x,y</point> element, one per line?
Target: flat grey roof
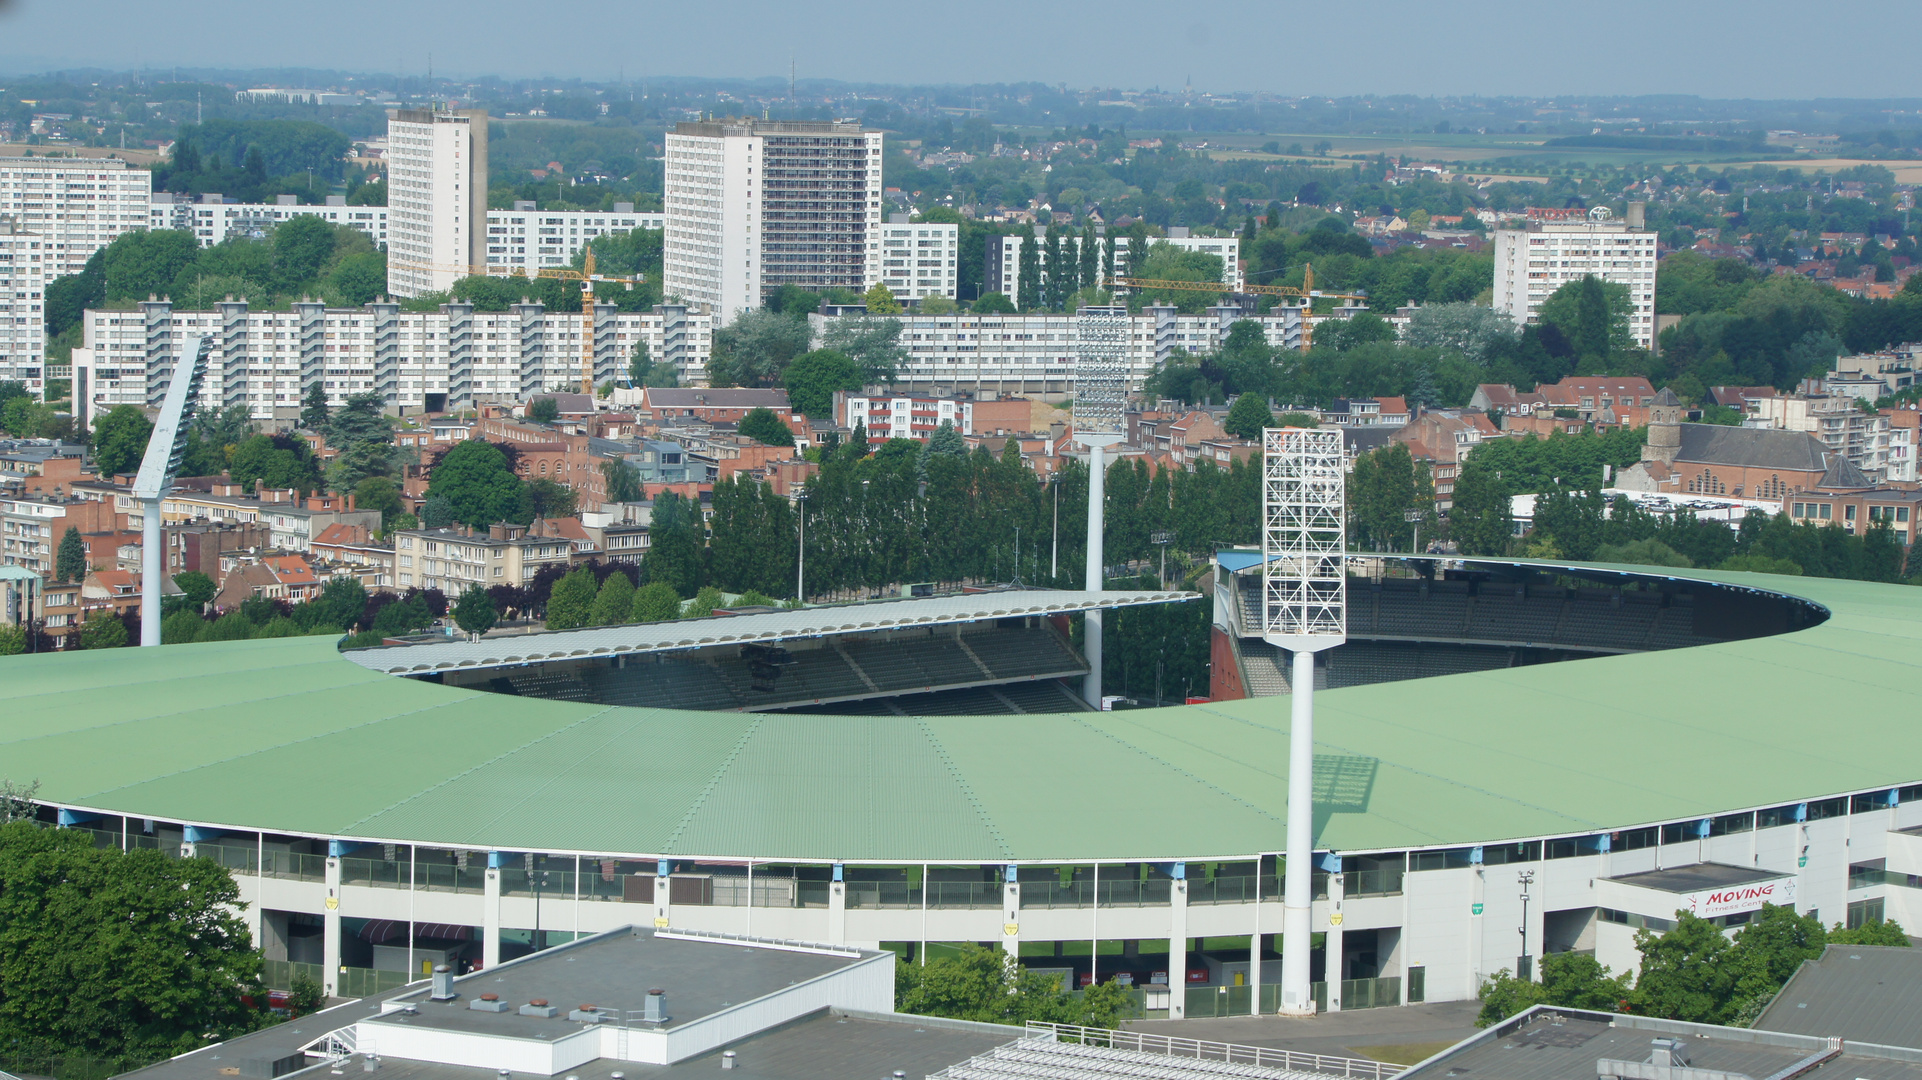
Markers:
<point>740,629</point>
<point>269,1044</point>
<point>700,975</point>
<point>1546,1044</point>
<point>1862,993</point>
<point>1688,879</point>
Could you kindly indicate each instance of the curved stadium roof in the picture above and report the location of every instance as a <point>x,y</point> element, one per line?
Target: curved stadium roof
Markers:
<point>289,735</point>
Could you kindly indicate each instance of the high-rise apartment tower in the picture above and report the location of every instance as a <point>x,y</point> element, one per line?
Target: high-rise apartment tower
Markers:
<point>436,197</point>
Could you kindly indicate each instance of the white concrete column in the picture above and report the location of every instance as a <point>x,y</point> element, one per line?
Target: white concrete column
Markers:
<point>491,916</point>
<point>1091,636</point>
<point>662,906</point>
<point>1178,943</point>
<point>153,564</point>
<point>837,908</point>
<point>1332,951</point>
<point>1011,914</point>
<point>330,929</point>
<point>1297,995</point>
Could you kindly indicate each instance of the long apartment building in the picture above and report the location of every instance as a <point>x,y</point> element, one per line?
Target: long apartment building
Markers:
<point>454,357</point>
<point>61,210</point>
<point>752,205</point>
<point>1556,247</point>
<point>1035,354</point>
<point>1002,271</point>
<point>213,220</point>
<point>436,197</point>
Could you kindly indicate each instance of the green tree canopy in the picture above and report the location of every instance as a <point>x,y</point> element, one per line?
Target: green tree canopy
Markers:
<point>120,440</point>
<point>477,483</point>
<point>813,377</point>
<point>990,986</point>
<point>1248,417</point>
<point>755,349</point>
<point>474,612</point>
<point>544,410</point>
<point>874,344</point>
<point>655,602</point>
<point>614,603</point>
<point>993,303</point>
<point>571,603</point>
<point>880,301</point>
<point>764,427</point>
<point>70,562</point>
<point>196,588</point>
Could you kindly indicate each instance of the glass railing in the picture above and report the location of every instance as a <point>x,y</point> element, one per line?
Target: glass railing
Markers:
<point>883,894</point>
<point>965,894</point>
<point>292,864</point>
<point>376,873</point>
<point>231,856</point>
<point>1383,882</point>
<point>548,883</point>
<point>447,877</point>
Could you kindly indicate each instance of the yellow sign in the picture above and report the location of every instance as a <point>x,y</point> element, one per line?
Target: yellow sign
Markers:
<point>661,923</point>
<point>333,902</point>
<point>1334,919</point>
<point>1011,929</point>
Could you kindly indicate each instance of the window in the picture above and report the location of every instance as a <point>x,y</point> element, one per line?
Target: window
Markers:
<point>1678,831</point>
<point>1496,855</point>
<point>1828,808</point>
<point>1775,816</point>
<point>1451,859</point>
<point>1731,823</point>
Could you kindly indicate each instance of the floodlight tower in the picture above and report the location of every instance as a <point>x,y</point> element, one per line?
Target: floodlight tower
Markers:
<point>156,478</point>
<point>1304,598</point>
<point>1100,396</point>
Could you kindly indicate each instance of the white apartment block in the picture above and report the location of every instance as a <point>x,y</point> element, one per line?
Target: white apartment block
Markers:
<point>919,259</point>
<point>905,416</point>
<point>1034,354</point>
<point>65,209</point>
<point>752,205</point>
<point>213,220</point>
<point>1002,272</point>
<point>1864,439</point>
<point>526,240</point>
<point>436,197</point>
<point>23,283</point>
<point>1560,246</point>
<point>452,358</point>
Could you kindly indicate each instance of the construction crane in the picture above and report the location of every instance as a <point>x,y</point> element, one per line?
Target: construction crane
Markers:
<point>585,275</point>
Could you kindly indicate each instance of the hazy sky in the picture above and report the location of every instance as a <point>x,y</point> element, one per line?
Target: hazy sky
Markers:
<point>1713,48</point>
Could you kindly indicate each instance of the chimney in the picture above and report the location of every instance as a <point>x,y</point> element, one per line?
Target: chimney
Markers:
<point>443,984</point>
<point>727,1056</point>
<point>1637,214</point>
<point>654,1009</point>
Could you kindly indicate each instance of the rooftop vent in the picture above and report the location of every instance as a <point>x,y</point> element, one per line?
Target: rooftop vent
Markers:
<point>1668,1052</point>
<point>654,1009</point>
<point>488,1003</point>
<point>539,1007</point>
<point>443,984</point>
<point>727,1059</point>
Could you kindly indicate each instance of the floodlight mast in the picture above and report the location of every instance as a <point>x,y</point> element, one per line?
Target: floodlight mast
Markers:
<point>1304,595</point>
<point>156,477</point>
<point>1100,399</point>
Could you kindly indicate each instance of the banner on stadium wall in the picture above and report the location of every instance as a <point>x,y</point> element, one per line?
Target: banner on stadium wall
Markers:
<point>1735,899</point>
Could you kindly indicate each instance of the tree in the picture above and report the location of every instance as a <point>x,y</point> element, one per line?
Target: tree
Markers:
<point>477,483</point>
<point>1248,417</point>
<point>544,498</point>
<point>1503,995</point>
<point>305,997</point>
<point>544,410</point>
<point>474,612</point>
<point>313,408</point>
<point>1361,328</point>
<point>103,630</point>
<point>1569,980</point>
<point>993,303</point>
<point>120,440</point>
<point>301,245</point>
<point>1649,552</point>
<point>379,493</point>
<point>275,461</point>
<point>676,542</point>
<point>25,418</point>
<point>655,602</point>
<point>1473,332</point>
<point>196,588</point>
<point>363,437</point>
<point>813,377</point>
<point>706,602</point>
<point>764,427</point>
<point>1592,315</point>
<point>615,602</point>
<point>880,301</point>
<point>873,344</point>
<point>154,945</point>
<point>13,639</point>
<point>571,603</point>
<point>1384,489</point>
<point>755,349</point>
<point>621,482</point>
<point>342,603</point>
<point>990,986</point>
<point>947,439</point>
<point>1684,974</point>
<point>436,512</point>
<point>1767,950</point>
<point>70,562</point>
<point>1877,932</point>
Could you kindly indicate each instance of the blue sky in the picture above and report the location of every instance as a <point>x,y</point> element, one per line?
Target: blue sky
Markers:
<point>1712,48</point>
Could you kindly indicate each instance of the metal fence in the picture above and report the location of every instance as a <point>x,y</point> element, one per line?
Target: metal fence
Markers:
<point>279,974</point>
<point>1207,1050</point>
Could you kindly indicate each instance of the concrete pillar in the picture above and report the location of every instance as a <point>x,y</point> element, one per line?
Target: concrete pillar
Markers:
<point>1091,636</point>
<point>1332,951</point>
<point>662,898</point>
<point>837,909</point>
<point>1011,913</point>
<point>491,913</point>
<point>1297,995</point>
<point>330,926</point>
<point>1178,942</point>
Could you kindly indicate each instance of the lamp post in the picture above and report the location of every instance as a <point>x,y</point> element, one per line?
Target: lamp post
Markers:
<point>1523,967</point>
<point>1054,533</point>
<point>156,478</point>
<point>801,546</point>
<point>1162,538</point>
<point>1413,517</point>
<point>1099,401</point>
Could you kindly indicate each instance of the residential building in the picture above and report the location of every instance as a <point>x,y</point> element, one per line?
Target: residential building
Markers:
<point>1596,399</point>
<point>342,546</point>
<point>276,577</point>
<point>214,220</point>
<point>1035,355</point>
<point>1712,459</point>
<point>1905,440</point>
<point>42,466</point>
<point>292,522</point>
<point>1556,247</point>
<point>527,240</point>
<point>25,258</point>
<point>713,405</point>
<point>450,559</point>
<point>115,591</point>
<point>919,259</point>
<point>1365,412</point>
<point>436,197</point>
<point>752,205</point>
<point>32,526</point>
<point>451,358</point>
<point>1862,438</point>
<point>1858,509</point>
<point>1443,439</point>
<point>75,205</point>
<point>1002,271</point>
<point>203,546</point>
<point>1891,369</point>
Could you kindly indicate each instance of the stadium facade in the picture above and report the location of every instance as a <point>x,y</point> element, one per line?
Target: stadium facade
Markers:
<point>380,823</point>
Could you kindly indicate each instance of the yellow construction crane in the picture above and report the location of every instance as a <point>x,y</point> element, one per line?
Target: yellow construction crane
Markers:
<point>585,275</point>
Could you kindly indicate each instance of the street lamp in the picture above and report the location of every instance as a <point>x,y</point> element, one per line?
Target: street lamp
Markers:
<point>1413,517</point>
<point>1523,968</point>
<point>1162,538</point>
<point>801,546</point>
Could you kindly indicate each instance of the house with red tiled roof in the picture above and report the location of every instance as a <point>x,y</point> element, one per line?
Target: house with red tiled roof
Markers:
<point>115,590</point>
<point>1443,439</point>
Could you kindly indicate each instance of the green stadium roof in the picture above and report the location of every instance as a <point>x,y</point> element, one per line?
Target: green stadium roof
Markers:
<point>289,735</point>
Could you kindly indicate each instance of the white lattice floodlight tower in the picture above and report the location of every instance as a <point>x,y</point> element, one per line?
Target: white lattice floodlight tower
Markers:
<point>1304,609</point>
<point>156,477</point>
<point>1100,400</point>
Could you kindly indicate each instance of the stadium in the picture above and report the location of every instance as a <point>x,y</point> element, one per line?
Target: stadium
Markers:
<point>1513,758</point>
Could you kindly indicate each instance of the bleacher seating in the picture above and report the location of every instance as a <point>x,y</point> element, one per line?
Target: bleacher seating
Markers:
<point>1261,668</point>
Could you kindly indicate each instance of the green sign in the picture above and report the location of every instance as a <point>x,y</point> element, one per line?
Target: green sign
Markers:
<point>1478,909</point>
<point>1802,861</point>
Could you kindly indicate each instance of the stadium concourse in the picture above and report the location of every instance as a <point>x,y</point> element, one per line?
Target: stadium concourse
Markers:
<point>1726,740</point>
